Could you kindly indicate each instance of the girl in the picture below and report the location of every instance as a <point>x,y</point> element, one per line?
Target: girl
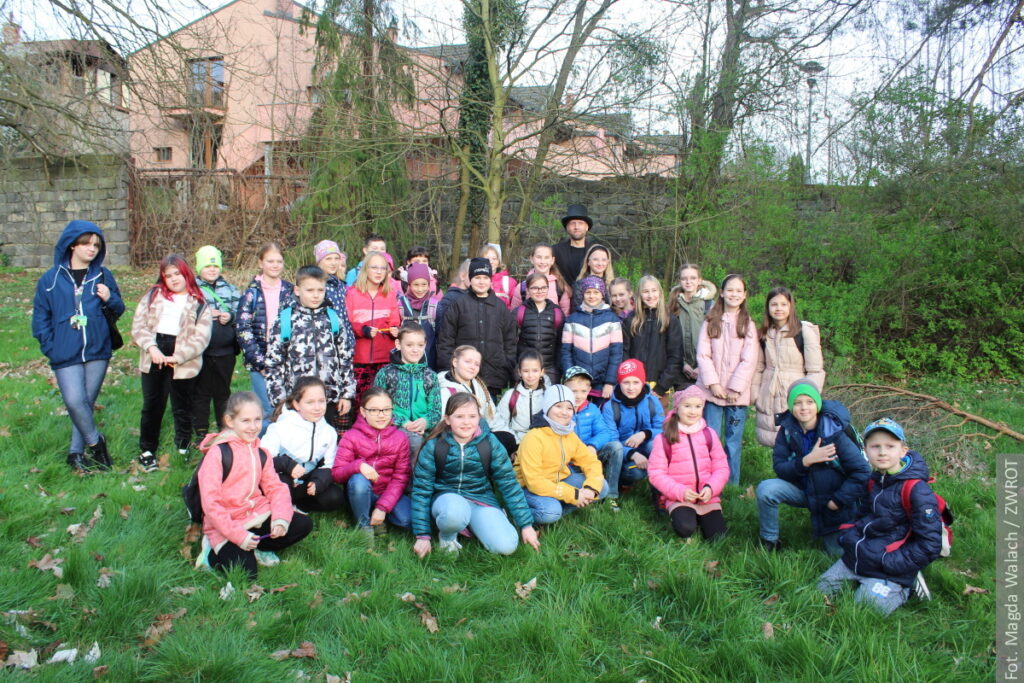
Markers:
<point>726,359</point>
<point>689,467</point>
<point>542,258</point>
<point>454,484</point>
<point>521,403</point>
<point>258,309</point>
<point>463,378</point>
<point>373,308</point>
<point>172,329</point>
<point>244,523</point>
<point>213,384</point>
<point>412,385</point>
<point>373,465</point>
<point>540,324</point>
<point>597,263</point>
<point>653,337</point>
<point>592,339</point>
<point>419,305</point>
<point>690,302</point>
<point>68,319</point>
<point>417,254</point>
<point>501,282</point>
<point>621,295</point>
<point>790,349</point>
<point>302,444</point>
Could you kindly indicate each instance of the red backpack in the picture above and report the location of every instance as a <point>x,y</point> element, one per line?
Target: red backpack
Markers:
<point>945,514</point>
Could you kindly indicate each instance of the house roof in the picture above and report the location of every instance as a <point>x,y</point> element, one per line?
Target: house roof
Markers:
<point>665,142</point>
<point>451,55</point>
<point>99,49</point>
<point>532,97</point>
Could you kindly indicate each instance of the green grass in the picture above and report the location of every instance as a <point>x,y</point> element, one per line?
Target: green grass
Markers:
<point>618,597</point>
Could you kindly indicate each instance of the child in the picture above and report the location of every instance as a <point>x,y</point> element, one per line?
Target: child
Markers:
<point>302,444</point>
<point>653,337</point>
<point>417,254</point>
<point>308,340</point>
<point>464,378</point>
<point>688,466</point>
<point>171,327</point>
<point>247,512</point>
<point>373,465</point>
<point>257,311</point>
<point>886,548</point>
<point>726,359</point>
<point>457,288</point>
<point>620,293</point>
<point>790,349</point>
<point>596,434</point>
<point>819,466</point>
<point>592,339</point>
<point>597,263</point>
<point>331,259</point>
<point>481,319</point>
<point>552,489</point>
<point>373,308</point>
<point>453,484</point>
<point>637,417</point>
<point>521,403</point>
<point>540,324</point>
<point>542,258</point>
<point>419,305</point>
<point>413,386</point>
<point>690,302</point>
<point>214,380</point>
<point>370,244</point>
<point>502,284</point>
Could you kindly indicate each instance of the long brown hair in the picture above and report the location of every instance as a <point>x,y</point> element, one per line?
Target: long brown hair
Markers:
<point>640,310</point>
<point>560,281</point>
<point>792,323</point>
<point>296,394</point>
<point>714,317</point>
<point>673,295</point>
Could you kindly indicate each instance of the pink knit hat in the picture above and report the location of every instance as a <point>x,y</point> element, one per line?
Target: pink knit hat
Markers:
<point>325,248</point>
<point>692,391</point>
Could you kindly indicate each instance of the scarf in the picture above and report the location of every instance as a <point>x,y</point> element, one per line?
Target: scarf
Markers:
<point>560,429</point>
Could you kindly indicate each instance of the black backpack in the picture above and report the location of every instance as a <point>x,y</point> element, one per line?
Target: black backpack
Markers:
<point>190,491</point>
<point>441,455</point>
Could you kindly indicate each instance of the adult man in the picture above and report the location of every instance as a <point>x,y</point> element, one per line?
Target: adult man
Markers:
<point>570,251</point>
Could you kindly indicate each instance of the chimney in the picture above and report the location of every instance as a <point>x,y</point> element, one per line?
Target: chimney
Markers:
<point>12,32</point>
<point>393,31</point>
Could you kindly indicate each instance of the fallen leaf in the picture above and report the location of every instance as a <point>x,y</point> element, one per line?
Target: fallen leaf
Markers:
<point>45,624</point>
<point>100,671</point>
<point>772,599</point>
<point>34,542</point>
<point>80,531</point>
<point>974,590</point>
<point>280,655</point>
<point>139,487</point>
<point>318,598</point>
<point>227,591</point>
<point>828,603</point>
<point>429,620</point>
<point>161,626</point>
<point>352,597</point>
<point>97,557</point>
<point>5,432</point>
<point>282,589</point>
<point>254,593</point>
<point>93,656</point>
<point>767,630</point>
<point>363,618</point>
<point>125,509</point>
<point>523,590</point>
<point>104,579</point>
<point>656,624</point>
<point>407,597</point>
<point>67,511</point>
<point>185,590</point>
<point>49,564</point>
<point>4,649</point>
<point>331,678</point>
<point>193,533</point>
<point>68,656</point>
<point>101,494</point>
<point>23,660</point>
<point>306,650</point>
<point>653,585</point>
<point>748,494</point>
<point>711,567</point>
<point>164,461</point>
<point>454,588</point>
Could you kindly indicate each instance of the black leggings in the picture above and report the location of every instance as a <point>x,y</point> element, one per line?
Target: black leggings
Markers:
<point>685,521</point>
<point>231,555</point>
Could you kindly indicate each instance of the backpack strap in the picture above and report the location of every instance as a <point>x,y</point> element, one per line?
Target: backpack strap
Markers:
<point>332,315</point>
<point>708,438</point>
<point>799,340</point>
<point>559,316</point>
<point>512,401</point>
<point>483,449</point>
<point>285,318</point>
<point>227,459</point>
<point>520,315</point>
<point>616,412</point>
<point>650,406</point>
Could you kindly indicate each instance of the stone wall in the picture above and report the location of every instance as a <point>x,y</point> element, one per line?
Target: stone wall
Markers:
<point>38,199</point>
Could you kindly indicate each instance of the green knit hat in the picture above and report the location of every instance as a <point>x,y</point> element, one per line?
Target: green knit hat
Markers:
<point>804,387</point>
<point>208,256</point>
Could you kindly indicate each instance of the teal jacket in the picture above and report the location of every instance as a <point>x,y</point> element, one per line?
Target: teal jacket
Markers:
<point>410,384</point>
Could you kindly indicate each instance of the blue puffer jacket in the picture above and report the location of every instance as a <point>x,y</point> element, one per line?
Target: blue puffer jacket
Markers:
<point>251,323</point>
<point>841,480</point>
<point>54,305</point>
<point>641,414</point>
<point>592,428</point>
<point>592,339</point>
<point>883,521</point>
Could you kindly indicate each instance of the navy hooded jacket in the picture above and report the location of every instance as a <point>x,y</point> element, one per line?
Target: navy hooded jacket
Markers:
<point>883,521</point>
<point>54,304</point>
<point>841,480</point>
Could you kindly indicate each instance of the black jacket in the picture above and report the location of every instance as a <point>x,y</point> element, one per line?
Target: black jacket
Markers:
<point>660,352</point>
<point>542,331</point>
<point>485,323</point>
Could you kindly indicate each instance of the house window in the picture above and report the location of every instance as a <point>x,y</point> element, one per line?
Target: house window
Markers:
<point>205,144</point>
<point>206,82</point>
<point>162,153</point>
<point>313,95</point>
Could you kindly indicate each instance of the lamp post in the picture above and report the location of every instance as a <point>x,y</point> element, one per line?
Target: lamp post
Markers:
<point>812,69</point>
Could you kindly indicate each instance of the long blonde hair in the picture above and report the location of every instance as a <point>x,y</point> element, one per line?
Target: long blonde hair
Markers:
<point>640,310</point>
<point>362,282</point>
<point>609,272</point>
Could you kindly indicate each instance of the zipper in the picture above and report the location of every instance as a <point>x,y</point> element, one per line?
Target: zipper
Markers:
<point>864,535</point>
<point>254,463</point>
<point>693,457</point>
<point>462,464</point>
<point>312,442</point>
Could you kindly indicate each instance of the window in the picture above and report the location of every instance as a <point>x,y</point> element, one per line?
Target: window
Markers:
<point>205,144</point>
<point>162,153</point>
<point>206,82</point>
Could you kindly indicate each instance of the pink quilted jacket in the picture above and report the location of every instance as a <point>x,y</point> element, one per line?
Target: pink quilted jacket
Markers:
<point>683,468</point>
<point>386,450</point>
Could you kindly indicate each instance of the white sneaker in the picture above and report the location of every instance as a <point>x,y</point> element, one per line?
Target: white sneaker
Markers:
<point>203,559</point>
<point>452,546</point>
<point>267,558</point>
<point>148,462</point>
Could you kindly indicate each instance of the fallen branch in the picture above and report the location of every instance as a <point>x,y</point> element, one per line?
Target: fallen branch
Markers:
<point>938,403</point>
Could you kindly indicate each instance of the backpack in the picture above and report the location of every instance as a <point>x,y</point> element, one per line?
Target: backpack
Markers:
<point>441,455</point>
<point>521,315</point>
<point>945,514</point>
<point>512,401</point>
<point>799,339</point>
<point>428,312</point>
<point>285,318</point>
<point>668,447</point>
<point>190,491</point>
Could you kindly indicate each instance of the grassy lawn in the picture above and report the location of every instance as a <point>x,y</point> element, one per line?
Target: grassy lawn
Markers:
<point>618,597</point>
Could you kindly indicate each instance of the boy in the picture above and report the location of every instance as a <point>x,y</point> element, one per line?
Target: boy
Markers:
<point>213,383</point>
<point>315,345</point>
<point>819,467</point>
<point>594,432</point>
<point>372,243</point>
<point>480,319</point>
<point>885,549</point>
<point>637,417</point>
<point>592,338</point>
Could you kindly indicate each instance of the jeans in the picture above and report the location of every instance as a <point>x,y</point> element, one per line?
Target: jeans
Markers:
<point>610,456</point>
<point>884,596</point>
<point>734,417</point>
<point>548,510</point>
<point>453,513</point>
<point>79,386</point>
<point>361,499</point>
<point>259,387</point>
<point>157,385</point>
<point>415,442</point>
<point>770,493</point>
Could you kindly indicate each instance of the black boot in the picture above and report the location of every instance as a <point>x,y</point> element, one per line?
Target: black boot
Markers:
<point>78,462</point>
<point>99,455</point>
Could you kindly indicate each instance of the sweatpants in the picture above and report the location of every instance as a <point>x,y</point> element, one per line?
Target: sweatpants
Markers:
<point>231,555</point>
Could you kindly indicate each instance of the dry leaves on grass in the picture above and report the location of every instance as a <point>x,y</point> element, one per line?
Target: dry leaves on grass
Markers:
<point>227,591</point>
<point>48,563</point>
<point>347,678</point>
<point>20,659</point>
<point>831,609</point>
<point>34,541</point>
<point>317,600</point>
<point>523,590</point>
<point>767,630</point>
<point>352,597</point>
<point>711,567</point>
<point>306,650</point>
<point>254,593</point>
<point>454,588</point>
<point>161,626</point>
<point>193,532</point>
<point>79,531</point>
<point>184,590</point>
<point>748,494</point>
<point>100,671</point>
<point>771,600</point>
<point>974,590</point>
<point>104,579</point>
<point>282,589</point>
<point>426,618</point>
<point>125,509</point>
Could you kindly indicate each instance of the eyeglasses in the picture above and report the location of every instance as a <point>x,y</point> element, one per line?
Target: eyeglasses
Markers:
<point>377,267</point>
<point>539,289</point>
<point>377,412</point>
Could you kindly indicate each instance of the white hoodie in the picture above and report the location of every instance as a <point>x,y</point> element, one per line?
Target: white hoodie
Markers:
<point>301,440</point>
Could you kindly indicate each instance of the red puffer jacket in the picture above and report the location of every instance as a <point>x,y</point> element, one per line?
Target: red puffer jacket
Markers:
<point>367,312</point>
<point>386,450</point>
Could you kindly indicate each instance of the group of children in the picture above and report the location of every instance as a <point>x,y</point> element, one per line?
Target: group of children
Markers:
<point>414,409</point>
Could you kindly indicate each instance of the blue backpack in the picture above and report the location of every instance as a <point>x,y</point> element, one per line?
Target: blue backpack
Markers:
<point>285,318</point>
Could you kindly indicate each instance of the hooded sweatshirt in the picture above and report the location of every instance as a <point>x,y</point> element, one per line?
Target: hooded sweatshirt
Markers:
<point>413,388</point>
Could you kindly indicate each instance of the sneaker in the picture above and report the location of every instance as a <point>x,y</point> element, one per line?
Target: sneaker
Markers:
<point>267,558</point>
<point>78,462</point>
<point>99,455</point>
<point>203,559</point>
<point>182,451</point>
<point>613,504</point>
<point>451,546</point>
<point>147,462</point>
<point>771,546</point>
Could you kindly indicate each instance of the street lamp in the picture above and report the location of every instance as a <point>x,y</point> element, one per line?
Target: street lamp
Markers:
<point>812,69</point>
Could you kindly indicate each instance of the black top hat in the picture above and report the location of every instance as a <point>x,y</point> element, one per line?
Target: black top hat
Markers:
<point>577,211</point>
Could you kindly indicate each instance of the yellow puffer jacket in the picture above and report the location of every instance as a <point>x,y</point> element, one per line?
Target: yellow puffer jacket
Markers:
<point>543,462</point>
